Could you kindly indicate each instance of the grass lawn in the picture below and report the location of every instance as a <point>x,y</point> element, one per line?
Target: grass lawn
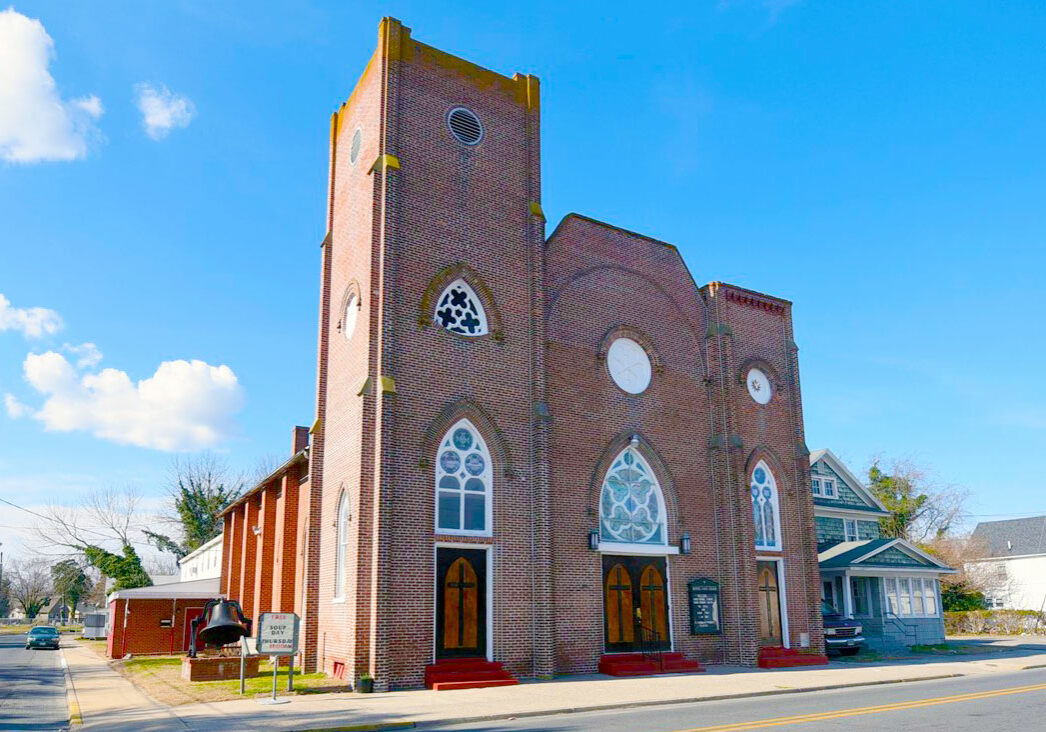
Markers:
<point>19,629</point>
<point>161,678</point>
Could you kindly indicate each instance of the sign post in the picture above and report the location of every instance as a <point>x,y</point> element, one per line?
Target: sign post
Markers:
<point>703,595</point>
<point>278,636</point>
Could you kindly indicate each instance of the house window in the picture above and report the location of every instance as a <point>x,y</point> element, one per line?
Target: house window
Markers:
<point>765,511</point>
<point>828,487</point>
<point>850,529</point>
<point>460,311</point>
<point>859,591</point>
<point>912,596</point>
<point>815,483</point>
<point>342,548</point>
<point>631,506</point>
<point>828,593</point>
<point>464,476</point>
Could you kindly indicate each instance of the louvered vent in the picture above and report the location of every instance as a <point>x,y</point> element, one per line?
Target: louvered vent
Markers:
<point>465,126</point>
<point>354,149</point>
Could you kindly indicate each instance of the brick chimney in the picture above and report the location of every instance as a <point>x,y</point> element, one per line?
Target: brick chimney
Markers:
<point>301,440</point>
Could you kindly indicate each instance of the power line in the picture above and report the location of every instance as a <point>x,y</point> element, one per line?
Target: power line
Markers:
<point>50,519</point>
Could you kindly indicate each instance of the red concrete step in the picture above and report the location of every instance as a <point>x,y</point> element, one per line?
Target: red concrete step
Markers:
<point>779,657</point>
<point>452,685</point>
<point>466,673</point>
<point>635,664</point>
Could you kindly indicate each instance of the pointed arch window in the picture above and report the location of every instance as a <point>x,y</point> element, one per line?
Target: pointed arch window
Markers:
<point>464,477</point>
<point>766,513</point>
<point>460,311</point>
<point>631,505</point>
<point>342,547</point>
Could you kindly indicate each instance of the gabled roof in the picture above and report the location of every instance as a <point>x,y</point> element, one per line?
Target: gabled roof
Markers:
<point>850,554</point>
<point>851,480</point>
<point>1013,537</point>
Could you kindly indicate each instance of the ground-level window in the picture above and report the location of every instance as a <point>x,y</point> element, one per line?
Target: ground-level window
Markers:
<point>861,596</point>
<point>464,477</point>
<point>850,528</point>
<point>912,596</point>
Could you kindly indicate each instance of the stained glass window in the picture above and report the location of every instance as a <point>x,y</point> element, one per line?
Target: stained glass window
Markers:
<point>765,511</point>
<point>463,481</point>
<point>459,310</point>
<point>631,507</point>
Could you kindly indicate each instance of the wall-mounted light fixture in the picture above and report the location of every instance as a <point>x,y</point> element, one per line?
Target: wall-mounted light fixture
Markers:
<point>593,539</point>
<point>256,529</point>
<point>684,543</point>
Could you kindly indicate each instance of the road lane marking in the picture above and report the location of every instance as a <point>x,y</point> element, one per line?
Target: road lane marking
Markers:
<point>859,711</point>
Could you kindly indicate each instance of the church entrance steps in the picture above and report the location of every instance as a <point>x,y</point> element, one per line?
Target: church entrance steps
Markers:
<point>779,657</point>
<point>466,673</point>
<point>636,664</point>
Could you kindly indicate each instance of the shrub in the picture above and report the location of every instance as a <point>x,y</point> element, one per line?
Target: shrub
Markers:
<point>999,622</point>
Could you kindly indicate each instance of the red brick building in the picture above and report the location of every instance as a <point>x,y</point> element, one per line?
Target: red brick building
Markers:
<point>527,447</point>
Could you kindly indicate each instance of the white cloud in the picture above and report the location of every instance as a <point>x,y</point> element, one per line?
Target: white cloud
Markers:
<point>31,322</point>
<point>162,110</point>
<point>185,405</point>
<point>87,354</point>
<point>35,122</point>
<point>15,409</point>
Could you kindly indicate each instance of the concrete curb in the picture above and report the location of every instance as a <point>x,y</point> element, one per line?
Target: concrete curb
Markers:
<point>76,719</point>
<point>408,724</point>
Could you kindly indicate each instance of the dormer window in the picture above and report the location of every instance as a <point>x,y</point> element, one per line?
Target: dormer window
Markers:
<point>828,487</point>
<point>815,484</point>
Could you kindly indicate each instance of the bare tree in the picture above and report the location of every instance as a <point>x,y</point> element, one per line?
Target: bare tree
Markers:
<point>974,577</point>
<point>105,519</point>
<point>30,586</point>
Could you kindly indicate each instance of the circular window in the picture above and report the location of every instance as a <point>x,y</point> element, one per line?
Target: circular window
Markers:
<point>465,126</point>
<point>354,148</point>
<point>759,386</point>
<point>629,365</point>
<point>352,311</point>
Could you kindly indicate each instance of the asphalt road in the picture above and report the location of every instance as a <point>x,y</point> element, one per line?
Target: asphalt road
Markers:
<point>986,703</point>
<point>32,687</point>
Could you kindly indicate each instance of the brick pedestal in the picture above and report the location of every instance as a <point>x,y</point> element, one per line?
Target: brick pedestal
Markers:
<point>217,668</point>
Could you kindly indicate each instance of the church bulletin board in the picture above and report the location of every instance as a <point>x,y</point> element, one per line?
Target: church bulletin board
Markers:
<point>704,607</point>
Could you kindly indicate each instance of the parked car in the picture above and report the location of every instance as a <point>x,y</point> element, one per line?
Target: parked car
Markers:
<point>43,636</point>
<point>841,633</point>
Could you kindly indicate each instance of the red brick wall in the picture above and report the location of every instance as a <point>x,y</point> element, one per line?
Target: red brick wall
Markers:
<point>394,231</point>
<point>138,632</point>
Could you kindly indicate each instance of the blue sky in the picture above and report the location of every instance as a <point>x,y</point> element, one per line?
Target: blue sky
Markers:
<point>883,165</point>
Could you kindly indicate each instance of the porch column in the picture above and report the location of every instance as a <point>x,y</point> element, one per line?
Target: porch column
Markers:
<point>848,598</point>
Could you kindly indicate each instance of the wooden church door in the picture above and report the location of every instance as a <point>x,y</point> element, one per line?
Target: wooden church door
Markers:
<point>769,605</point>
<point>461,603</point>
<point>635,603</point>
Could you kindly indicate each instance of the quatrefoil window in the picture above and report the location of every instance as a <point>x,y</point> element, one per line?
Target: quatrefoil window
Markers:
<point>460,311</point>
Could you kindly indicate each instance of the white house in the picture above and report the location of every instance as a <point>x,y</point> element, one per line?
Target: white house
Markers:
<point>1016,551</point>
<point>205,562</point>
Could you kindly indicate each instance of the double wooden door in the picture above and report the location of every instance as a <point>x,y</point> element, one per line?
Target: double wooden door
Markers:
<point>635,603</point>
<point>461,602</point>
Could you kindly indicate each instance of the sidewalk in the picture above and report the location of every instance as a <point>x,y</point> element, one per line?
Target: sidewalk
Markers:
<point>109,702</point>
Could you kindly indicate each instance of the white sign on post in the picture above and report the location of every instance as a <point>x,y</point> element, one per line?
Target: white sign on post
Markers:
<point>278,634</point>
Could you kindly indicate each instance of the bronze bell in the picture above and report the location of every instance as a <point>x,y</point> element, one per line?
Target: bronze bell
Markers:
<point>223,627</point>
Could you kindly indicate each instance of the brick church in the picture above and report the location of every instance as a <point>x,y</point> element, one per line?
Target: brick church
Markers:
<point>546,451</point>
